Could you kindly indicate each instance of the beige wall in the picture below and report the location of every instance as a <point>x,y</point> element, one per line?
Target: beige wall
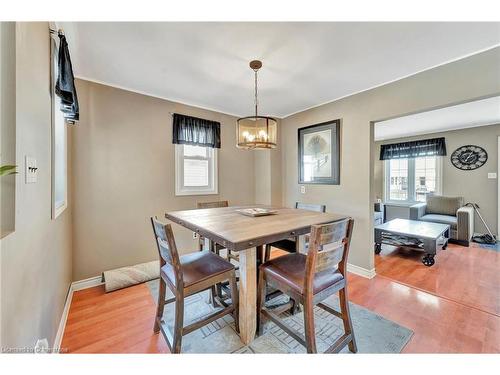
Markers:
<point>36,258</point>
<point>123,170</point>
<point>470,78</point>
<point>8,123</point>
<point>267,174</point>
<point>474,186</point>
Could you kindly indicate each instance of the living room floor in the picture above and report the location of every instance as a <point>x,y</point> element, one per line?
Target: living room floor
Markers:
<point>466,275</point>
<point>425,300</point>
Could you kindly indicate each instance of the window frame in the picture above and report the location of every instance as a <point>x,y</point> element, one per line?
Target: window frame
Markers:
<point>56,210</point>
<point>213,173</point>
<point>411,181</point>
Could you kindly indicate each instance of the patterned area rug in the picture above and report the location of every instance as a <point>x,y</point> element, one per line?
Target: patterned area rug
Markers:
<point>374,334</point>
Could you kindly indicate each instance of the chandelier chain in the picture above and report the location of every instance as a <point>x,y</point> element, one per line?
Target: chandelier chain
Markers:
<point>256,92</point>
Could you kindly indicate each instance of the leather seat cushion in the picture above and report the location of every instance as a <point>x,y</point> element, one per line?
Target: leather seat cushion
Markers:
<point>290,270</point>
<point>441,219</point>
<point>197,267</point>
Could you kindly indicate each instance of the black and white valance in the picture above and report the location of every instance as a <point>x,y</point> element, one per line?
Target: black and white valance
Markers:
<point>414,149</point>
<point>65,84</point>
<point>195,131</point>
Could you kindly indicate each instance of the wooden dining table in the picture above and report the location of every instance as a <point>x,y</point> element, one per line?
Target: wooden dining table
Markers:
<point>247,235</point>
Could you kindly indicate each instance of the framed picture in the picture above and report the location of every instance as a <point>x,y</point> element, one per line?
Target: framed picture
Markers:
<point>319,153</point>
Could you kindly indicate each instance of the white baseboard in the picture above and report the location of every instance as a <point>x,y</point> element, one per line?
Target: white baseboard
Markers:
<point>74,286</point>
<point>360,271</point>
<point>86,283</point>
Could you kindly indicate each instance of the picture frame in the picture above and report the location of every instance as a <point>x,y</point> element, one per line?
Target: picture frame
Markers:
<point>319,153</point>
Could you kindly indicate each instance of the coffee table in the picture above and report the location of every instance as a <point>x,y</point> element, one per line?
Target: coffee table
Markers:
<point>418,235</point>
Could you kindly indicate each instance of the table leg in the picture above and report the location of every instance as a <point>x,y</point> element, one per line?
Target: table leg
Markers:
<point>378,241</point>
<point>248,295</point>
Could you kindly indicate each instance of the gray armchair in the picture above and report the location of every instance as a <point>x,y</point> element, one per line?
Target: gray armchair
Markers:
<point>447,210</point>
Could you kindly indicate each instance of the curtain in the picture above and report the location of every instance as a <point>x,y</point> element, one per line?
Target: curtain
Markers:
<point>415,149</point>
<point>196,131</point>
<point>65,84</point>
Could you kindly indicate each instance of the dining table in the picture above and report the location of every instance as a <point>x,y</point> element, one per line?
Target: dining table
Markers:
<point>247,235</point>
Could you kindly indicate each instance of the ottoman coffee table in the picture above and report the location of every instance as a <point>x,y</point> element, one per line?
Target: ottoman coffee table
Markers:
<point>418,235</point>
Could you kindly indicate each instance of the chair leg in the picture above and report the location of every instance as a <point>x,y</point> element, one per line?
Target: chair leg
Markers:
<point>161,305</point>
<point>178,324</point>
<point>267,255</point>
<point>295,307</point>
<point>309,326</point>
<point>235,301</point>
<point>346,318</point>
<point>261,300</point>
<point>213,293</point>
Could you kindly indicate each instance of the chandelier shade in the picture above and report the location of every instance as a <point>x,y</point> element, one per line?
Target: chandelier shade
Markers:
<point>256,132</point>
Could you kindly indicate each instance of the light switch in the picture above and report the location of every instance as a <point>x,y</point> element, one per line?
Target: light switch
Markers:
<point>31,170</point>
<point>302,189</point>
<point>492,175</point>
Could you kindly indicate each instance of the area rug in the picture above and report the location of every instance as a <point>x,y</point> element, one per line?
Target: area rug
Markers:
<point>374,334</point>
<point>494,247</point>
<point>127,276</point>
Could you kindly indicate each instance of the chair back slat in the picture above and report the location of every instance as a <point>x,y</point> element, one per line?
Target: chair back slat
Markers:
<point>216,204</point>
<point>310,207</point>
<point>329,257</point>
<point>165,242</point>
<point>328,249</point>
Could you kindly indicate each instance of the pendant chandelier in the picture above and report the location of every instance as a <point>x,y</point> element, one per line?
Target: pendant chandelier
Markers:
<point>257,132</point>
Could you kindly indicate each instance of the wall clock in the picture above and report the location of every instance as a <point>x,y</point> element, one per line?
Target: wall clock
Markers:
<point>469,157</point>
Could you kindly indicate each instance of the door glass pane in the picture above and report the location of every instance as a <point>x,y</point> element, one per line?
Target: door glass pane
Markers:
<point>398,179</point>
<point>425,177</point>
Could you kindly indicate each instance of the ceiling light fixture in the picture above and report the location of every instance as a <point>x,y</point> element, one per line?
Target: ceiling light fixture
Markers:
<point>257,132</point>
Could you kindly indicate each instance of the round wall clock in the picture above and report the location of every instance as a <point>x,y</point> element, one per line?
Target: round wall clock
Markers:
<point>469,157</point>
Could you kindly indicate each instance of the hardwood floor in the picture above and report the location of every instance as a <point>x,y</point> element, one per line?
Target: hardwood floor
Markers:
<point>122,321</point>
<point>467,275</point>
<point>117,322</point>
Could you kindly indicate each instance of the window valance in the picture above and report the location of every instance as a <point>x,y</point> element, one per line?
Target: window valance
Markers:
<point>414,149</point>
<point>195,131</point>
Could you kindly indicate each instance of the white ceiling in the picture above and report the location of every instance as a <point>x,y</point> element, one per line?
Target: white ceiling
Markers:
<point>468,115</point>
<point>305,64</point>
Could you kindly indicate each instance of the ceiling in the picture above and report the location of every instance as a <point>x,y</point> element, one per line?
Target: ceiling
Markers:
<point>304,64</point>
<point>468,115</point>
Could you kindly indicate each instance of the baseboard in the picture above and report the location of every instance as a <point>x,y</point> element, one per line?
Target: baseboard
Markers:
<point>62,322</point>
<point>360,271</point>
<point>74,286</point>
<point>86,283</point>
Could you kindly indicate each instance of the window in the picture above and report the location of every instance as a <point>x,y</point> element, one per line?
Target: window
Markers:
<point>411,180</point>
<point>59,143</point>
<point>195,170</point>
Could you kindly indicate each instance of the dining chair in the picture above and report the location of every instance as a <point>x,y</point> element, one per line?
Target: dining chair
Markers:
<point>310,279</point>
<point>213,247</point>
<point>290,244</point>
<point>184,276</point>
<point>222,289</point>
